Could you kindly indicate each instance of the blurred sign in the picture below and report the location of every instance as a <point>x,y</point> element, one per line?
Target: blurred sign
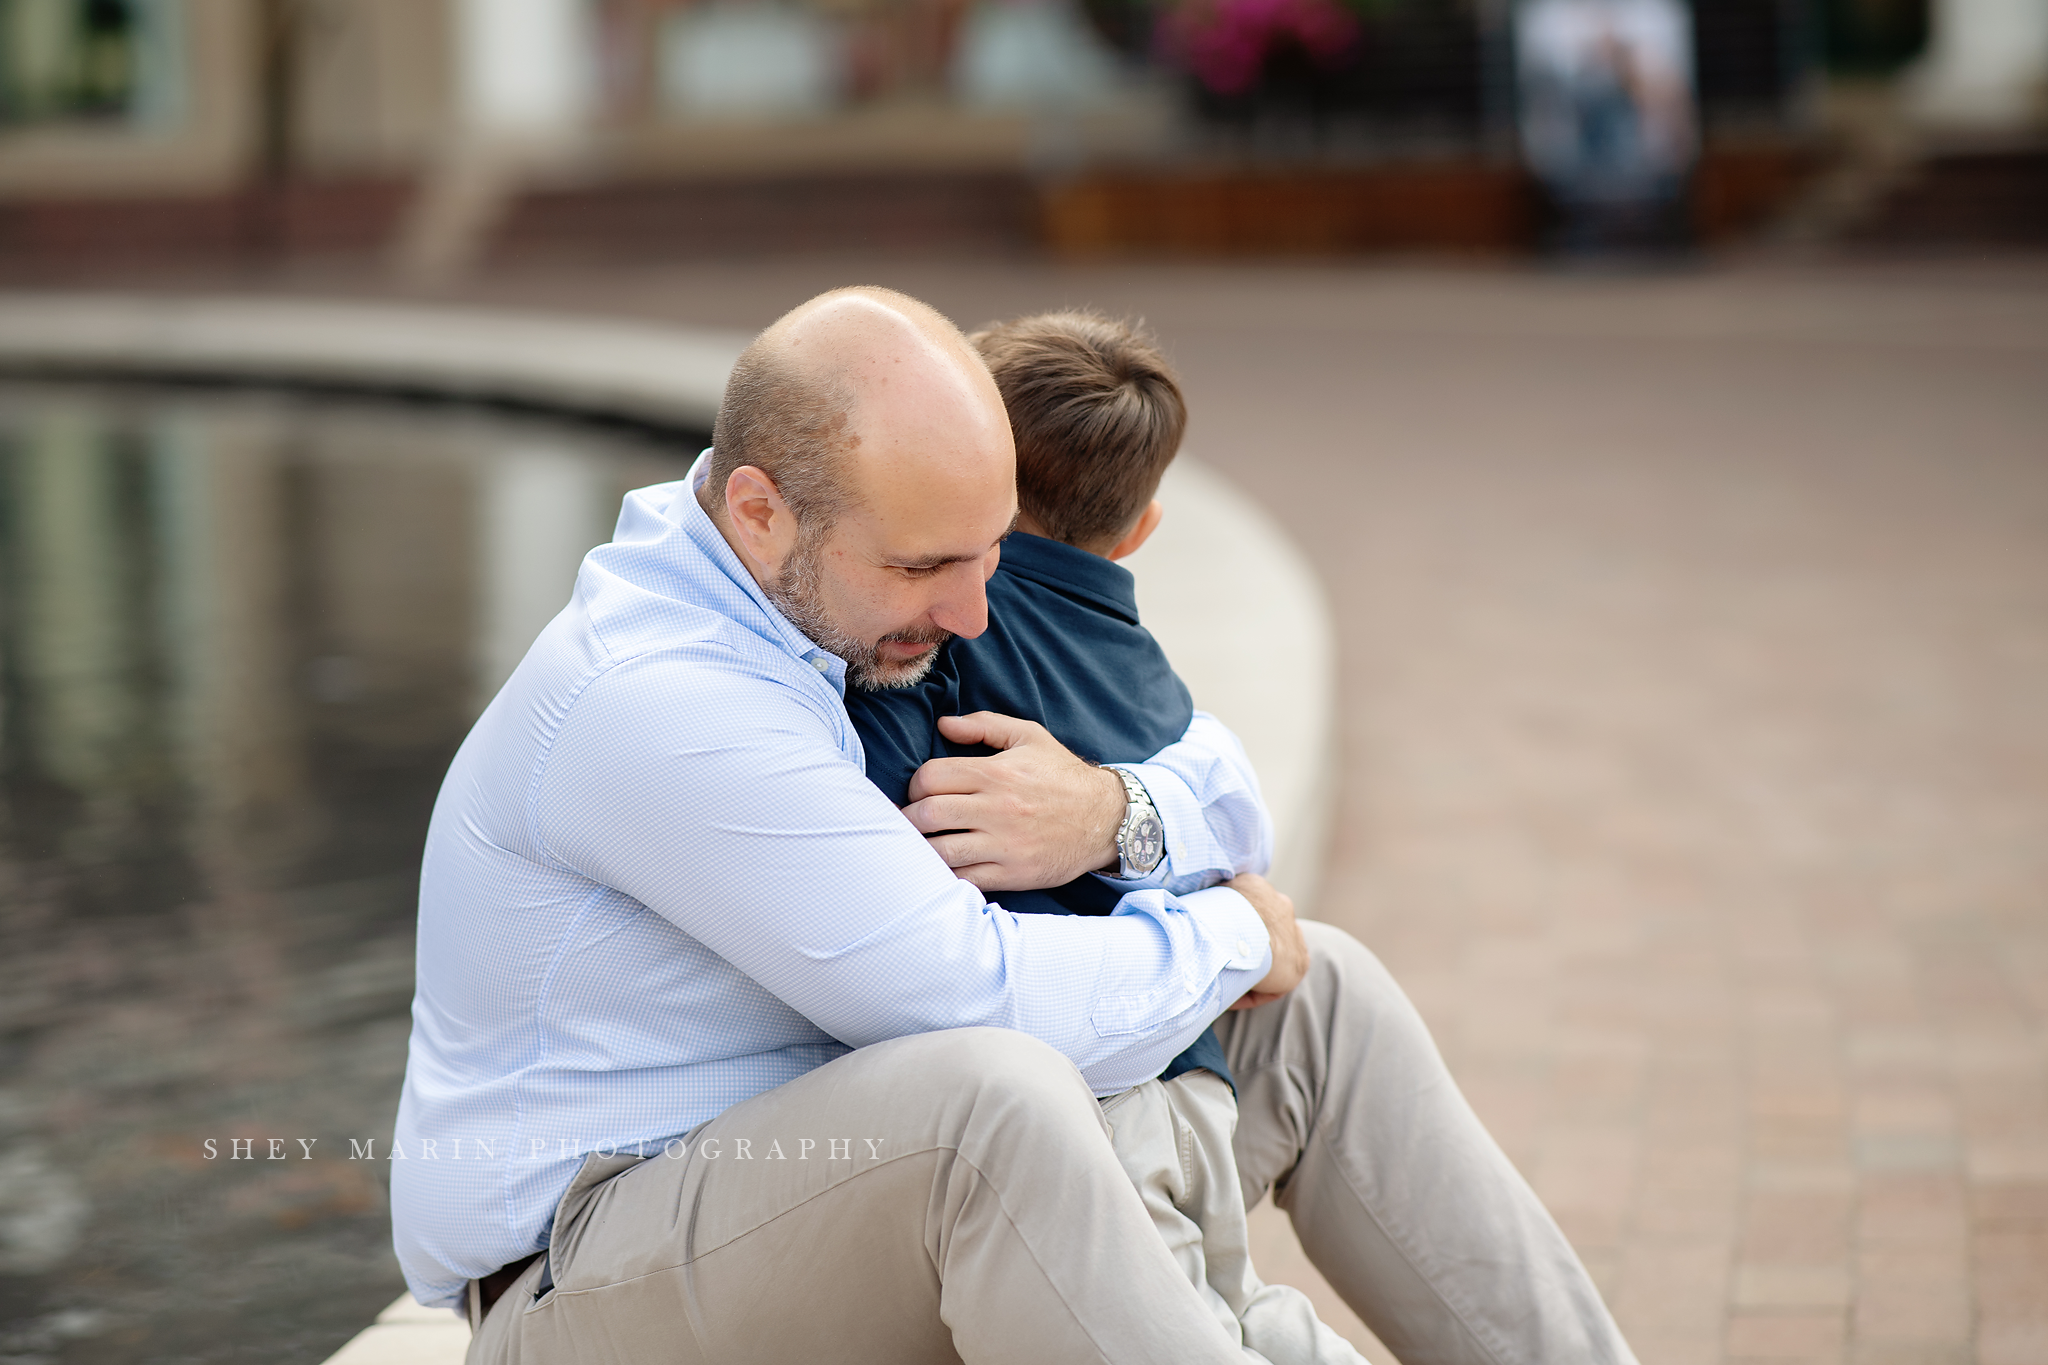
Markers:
<point>1605,97</point>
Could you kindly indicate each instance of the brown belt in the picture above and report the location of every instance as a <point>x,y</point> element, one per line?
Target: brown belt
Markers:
<point>492,1287</point>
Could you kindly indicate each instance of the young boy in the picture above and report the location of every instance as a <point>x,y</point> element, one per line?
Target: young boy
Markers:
<point>1097,416</point>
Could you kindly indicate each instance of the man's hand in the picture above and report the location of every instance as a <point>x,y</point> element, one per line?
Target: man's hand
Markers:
<point>1031,816</point>
<point>1290,949</point>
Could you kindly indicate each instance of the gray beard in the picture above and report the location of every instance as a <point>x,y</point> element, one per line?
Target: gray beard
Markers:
<point>797,593</point>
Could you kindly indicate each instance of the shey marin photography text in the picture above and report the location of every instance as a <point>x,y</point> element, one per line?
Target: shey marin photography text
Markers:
<point>773,1148</point>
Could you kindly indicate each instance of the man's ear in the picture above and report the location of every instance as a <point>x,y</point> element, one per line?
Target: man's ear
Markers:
<point>1148,522</point>
<point>763,527</point>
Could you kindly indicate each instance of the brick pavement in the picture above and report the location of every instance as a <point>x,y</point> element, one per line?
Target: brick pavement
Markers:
<point>1695,642</point>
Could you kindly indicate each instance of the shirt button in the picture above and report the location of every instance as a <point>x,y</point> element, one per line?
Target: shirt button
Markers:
<point>1243,949</point>
<point>818,662</point>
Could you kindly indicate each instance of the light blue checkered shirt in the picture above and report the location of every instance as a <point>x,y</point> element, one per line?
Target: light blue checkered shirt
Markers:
<point>658,882</point>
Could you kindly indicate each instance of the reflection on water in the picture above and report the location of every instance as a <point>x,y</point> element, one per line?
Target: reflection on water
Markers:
<point>240,638</point>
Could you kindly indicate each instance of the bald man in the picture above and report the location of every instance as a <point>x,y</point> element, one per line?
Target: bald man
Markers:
<point>717,1057</point>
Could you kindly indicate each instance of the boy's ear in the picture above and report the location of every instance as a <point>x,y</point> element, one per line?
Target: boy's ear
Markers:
<point>1148,522</point>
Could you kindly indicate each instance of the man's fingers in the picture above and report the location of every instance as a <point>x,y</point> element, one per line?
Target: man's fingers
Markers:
<point>1047,816</point>
<point>988,877</point>
<point>991,728</point>
<point>962,850</point>
<point>936,813</point>
<point>948,777</point>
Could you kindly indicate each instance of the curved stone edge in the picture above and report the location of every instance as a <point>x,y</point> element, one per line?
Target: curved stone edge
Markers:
<point>1245,621</point>
<point>1229,595</point>
<point>668,376</point>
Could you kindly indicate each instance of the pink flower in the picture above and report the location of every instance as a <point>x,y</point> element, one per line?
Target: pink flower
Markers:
<point>1226,42</point>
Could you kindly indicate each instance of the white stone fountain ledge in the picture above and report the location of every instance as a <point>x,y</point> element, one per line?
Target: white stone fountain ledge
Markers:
<point>647,373</point>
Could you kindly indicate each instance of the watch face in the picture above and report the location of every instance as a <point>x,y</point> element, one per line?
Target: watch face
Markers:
<point>1144,842</point>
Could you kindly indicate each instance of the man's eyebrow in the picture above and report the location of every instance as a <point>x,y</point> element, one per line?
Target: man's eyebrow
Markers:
<point>939,561</point>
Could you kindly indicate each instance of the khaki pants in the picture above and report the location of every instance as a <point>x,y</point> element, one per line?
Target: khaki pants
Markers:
<point>960,1199</point>
<point>1173,1139</point>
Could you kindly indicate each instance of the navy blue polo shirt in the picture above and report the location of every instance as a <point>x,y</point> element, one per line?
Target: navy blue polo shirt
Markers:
<point>1064,648</point>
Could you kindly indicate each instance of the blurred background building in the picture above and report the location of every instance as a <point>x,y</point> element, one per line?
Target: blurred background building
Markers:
<point>431,137</point>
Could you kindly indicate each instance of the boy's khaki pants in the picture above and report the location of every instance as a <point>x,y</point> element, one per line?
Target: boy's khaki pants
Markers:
<point>1173,1139</point>
<point>974,1209</point>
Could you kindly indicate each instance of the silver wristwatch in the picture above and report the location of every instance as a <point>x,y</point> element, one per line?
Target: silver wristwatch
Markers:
<point>1141,838</point>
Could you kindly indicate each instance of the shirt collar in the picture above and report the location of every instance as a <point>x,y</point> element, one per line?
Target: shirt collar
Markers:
<point>1098,581</point>
<point>711,543</point>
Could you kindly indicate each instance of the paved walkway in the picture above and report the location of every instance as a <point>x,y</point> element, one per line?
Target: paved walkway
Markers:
<point>1694,660</point>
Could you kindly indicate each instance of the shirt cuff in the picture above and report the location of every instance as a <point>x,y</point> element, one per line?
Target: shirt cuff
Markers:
<point>1231,922</point>
<point>1181,817</point>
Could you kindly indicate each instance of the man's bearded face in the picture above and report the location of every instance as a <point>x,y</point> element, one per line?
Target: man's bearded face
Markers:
<point>799,592</point>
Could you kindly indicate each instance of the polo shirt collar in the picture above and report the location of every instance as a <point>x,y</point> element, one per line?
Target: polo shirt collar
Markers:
<point>1100,582</point>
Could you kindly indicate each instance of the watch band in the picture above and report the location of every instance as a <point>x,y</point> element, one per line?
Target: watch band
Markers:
<point>1134,790</point>
<point>1141,838</point>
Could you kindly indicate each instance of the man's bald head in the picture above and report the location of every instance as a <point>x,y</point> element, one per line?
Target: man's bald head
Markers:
<point>794,402</point>
<point>863,470</point>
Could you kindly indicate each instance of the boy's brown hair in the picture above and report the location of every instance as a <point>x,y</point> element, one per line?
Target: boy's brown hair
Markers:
<point>1097,416</point>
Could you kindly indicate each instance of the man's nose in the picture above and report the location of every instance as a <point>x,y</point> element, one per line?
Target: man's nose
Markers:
<point>964,608</point>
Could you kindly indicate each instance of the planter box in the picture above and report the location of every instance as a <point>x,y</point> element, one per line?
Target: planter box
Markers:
<point>1470,207</point>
